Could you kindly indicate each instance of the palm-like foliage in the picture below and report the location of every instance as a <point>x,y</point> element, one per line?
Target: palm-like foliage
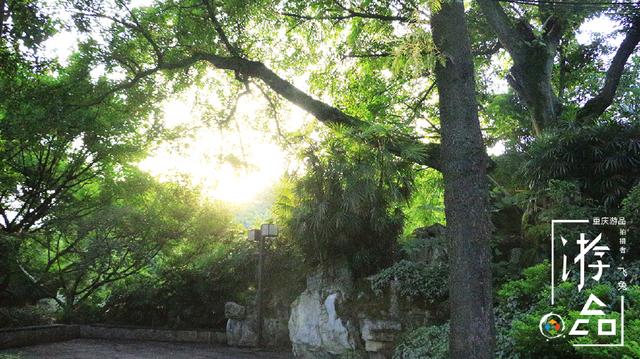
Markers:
<point>603,158</point>
<point>347,206</point>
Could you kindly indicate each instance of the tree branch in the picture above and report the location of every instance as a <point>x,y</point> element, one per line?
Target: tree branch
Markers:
<point>143,31</point>
<point>499,21</point>
<point>218,27</point>
<point>599,103</point>
<point>2,6</point>
<point>350,13</point>
<point>553,29</point>
<point>488,51</point>
<point>367,55</point>
<point>427,155</point>
<point>322,111</point>
<point>136,26</point>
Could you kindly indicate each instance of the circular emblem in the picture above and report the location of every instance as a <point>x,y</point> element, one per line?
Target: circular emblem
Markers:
<point>551,326</point>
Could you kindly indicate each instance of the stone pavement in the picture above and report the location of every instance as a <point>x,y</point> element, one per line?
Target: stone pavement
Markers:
<point>122,349</point>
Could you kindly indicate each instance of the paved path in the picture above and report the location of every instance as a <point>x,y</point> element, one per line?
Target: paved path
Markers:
<point>121,349</point>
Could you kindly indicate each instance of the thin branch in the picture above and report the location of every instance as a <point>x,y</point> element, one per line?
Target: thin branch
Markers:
<point>2,12</point>
<point>418,105</point>
<point>144,32</point>
<point>274,110</point>
<point>132,26</point>
<point>233,50</point>
<point>350,14</point>
<point>367,55</point>
<point>488,51</point>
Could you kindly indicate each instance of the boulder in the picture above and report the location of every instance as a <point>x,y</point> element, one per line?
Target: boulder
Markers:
<point>430,245</point>
<point>242,327</point>
<point>315,328</point>
<point>234,311</point>
<point>275,333</point>
<point>241,333</point>
<point>379,330</point>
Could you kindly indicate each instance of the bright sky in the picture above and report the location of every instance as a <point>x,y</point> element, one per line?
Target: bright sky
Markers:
<point>200,157</point>
<point>203,155</point>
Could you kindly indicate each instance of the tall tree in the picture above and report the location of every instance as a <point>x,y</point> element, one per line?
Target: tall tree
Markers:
<point>533,46</point>
<point>75,259</point>
<point>54,148</point>
<point>464,167</point>
<point>218,36</point>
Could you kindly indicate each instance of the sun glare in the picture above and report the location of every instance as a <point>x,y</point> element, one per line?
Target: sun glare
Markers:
<point>234,165</point>
<point>205,156</point>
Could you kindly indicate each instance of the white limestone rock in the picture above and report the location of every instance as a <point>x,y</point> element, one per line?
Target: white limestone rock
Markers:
<point>315,329</point>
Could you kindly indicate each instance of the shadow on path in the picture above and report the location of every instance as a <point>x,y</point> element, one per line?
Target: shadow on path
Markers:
<point>122,349</point>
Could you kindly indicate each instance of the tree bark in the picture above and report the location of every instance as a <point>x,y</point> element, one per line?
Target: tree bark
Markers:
<point>3,4</point>
<point>464,165</point>
<point>2,12</point>
<point>530,75</point>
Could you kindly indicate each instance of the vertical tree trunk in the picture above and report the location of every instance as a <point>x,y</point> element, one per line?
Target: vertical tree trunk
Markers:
<point>464,163</point>
<point>2,6</point>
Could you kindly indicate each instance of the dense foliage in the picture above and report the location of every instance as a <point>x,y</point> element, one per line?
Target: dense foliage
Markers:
<point>524,301</point>
<point>417,280</point>
<point>424,342</point>
<point>348,206</point>
<point>84,229</point>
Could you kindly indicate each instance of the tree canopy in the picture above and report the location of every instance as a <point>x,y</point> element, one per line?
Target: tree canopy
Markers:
<point>411,93</point>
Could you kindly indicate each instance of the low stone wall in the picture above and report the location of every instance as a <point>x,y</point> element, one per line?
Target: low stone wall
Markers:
<point>24,336</point>
<point>161,335</point>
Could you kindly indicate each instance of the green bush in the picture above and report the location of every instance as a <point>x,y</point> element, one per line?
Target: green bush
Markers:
<point>25,316</point>
<point>186,288</point>
<point>603,158</point>
<point>523,302</point>
<point>417,280</point>
<point>347,206</point>
<point>424,342</point>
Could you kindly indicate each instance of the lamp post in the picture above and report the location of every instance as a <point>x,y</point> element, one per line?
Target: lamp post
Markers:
<point>265,231</point>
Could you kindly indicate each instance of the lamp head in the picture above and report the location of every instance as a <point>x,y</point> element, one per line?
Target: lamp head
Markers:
<point>269,230</point>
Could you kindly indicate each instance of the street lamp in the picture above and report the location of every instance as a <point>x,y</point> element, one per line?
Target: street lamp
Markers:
<point>258,235</point>
<point>269,230</point>
<point>254,235</point>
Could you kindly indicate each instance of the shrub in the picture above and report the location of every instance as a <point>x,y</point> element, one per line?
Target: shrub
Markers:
<point>603,158</point>
<point>417,280</point>
<point>524,301</point>
<point>25,316</point>
<point>424,342</point>
<point>347,206</point>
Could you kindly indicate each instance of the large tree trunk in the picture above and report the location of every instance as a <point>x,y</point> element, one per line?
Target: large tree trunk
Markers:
<point>464,162</point>
<point>533,57</point>
<point>531,79</point>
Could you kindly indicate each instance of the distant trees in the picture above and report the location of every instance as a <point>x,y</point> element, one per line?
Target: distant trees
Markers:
<point>76,258</point>
<point>63,141</point>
